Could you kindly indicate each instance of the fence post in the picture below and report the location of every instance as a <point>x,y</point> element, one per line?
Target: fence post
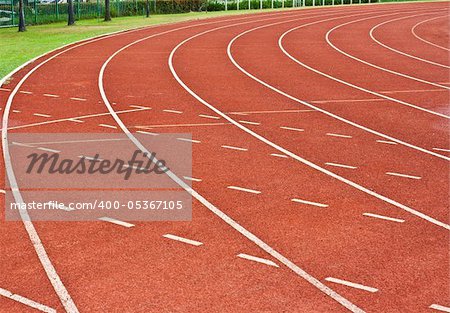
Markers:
<point>282,4</point>
<point>249,4</point>
<point>272,4</point>
<point>78,9</point>
<point>57,10</point>
<point>237,5</point>
<point>98,10</point>
<point>226,5</point>
<point>260,4</point>
<point>35,11</point>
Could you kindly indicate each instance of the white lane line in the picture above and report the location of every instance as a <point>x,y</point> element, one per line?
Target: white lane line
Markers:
<point>271,111</point>
<point>107,126</point>
<point>244,189</point>
<point>292,128</point>
<point>114,221</point>
<point>341,165</point>
<point>350,284</point>
<point>43,308</point>
<point>139,107</point>
<point>279,155</point>
<point>50,95</point>
<point>78,99</point>
<point>347,100</point>
<point>234,148</point>
<point>249,123</point>
<point>192,178</point>
<point>48,150</point>
<point>16,111</point>
<point>75,120</point>
<point>413,31</point>
<point>146,133</point>
<point>41,115</point>
<point>403,175</point>
<point>26,92</point>
<point>209,116</point>
<point>189,140</point>
<point>257,259</point>
<point>22,144</point>
<point>179,125</point>
<point>320,205</point>
<point>387,142</point>
<point>339,135</point>
<point>2,191</point>
<point>412,90</point>
<point>185,240</point>
<point>5,89</point>
<point>440,308</point>
<point>173,111</point>
<point>387,218</point>
<point>440,149</point>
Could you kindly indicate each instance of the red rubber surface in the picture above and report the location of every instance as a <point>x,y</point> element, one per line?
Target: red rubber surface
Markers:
<point>108,268</point>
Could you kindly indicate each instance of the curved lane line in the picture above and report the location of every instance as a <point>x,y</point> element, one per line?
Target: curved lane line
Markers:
<point>413,31</point>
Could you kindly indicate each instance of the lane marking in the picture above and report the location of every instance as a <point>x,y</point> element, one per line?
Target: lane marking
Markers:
<point>292,128</point>
<point>387,142</point>
<point>114,221</point>
<point>107,126</point>
<point>244,189</point>
<point>184,240</point>
<point>41,115</point>
<point>440,308</point>
<point>413,90</point>
<point>139,107</point>
<point>338,135</point>
<point>146,133</point>
<point>75,120</point>
<point>387,218</point>
<point>279,155</point>
<point>192,178</point>
<point>346,100</point>
<point>257,259</point>
<point>5,89</point>
<point>413,31</point>
<point>209,116</point>
<point>3,191</point>
<point>341,165</point>
<point>249,123</point>
<point>26,301</point>
<point>26,92</point>
<point>440,149</point>
<point>403,175</point>
<point>234,148</point>
<point>50,95</point>
<point>271,111</point>
<point>22,144</point>
<point>320,205</point>
<point>78,99</point>
<point>189,140</point>
<point>173,111</point>
<point>48,150</point>
<point>350,284</point>
<point>16,111</point>
<point>179,125</point>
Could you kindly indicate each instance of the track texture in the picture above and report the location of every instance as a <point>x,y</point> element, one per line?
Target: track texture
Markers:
<point>342,106</point>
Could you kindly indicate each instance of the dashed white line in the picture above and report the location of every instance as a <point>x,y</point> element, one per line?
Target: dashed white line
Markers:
<point>346,100</point>
<point>5,89</point>
<point>249,123</point>
<point>279,155</point>
<point>387,142</point>
<point>440,149</point>
<point>78,99</point>
<point>403,175</point>
<point>173,111</point>
<point>209,116</point>
<point>192,178</point>
<point>320,205</point>
<point>146,133</point>
<point>234,148</point>
<point>244,189</point>
<point>341,165</point>
<point>16,111</point>
<point>22,144</point>
<point>75,120</point>
<point>339,135</point>
<point>350,284</point>
<point>50,95</point>
<point>387,218</point>
<point>41,115</point>
<point>26,301</point>
<point>440,308</point>
<point>292,128</point>
<point>2,191</point>
<point>114,221</point>
<point>139,107</point>
<point>107,126</point>
<point>257,259</point>
<point>185,240</point>
<point>48,150</point>
<point>26,92</point>
<point>413,90</point>
<point>274,111</point>
<point>189,140</point>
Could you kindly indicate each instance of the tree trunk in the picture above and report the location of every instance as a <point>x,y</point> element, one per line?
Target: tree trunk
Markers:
<point>147,8</point>
<point>107,11</point>
<point>71,13</point>
<point>22,27</point>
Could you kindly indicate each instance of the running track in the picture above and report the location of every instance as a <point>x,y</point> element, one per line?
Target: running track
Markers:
<point>335,118</point>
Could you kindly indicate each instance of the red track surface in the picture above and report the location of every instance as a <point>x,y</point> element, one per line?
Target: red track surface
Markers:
<point>109,268</point>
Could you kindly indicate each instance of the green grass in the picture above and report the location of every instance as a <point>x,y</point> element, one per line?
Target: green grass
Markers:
<point>17,48</point>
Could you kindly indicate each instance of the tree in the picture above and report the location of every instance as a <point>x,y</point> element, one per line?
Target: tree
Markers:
<point>22,27</point>
<point>70,13</point>
<point>107,11</point>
